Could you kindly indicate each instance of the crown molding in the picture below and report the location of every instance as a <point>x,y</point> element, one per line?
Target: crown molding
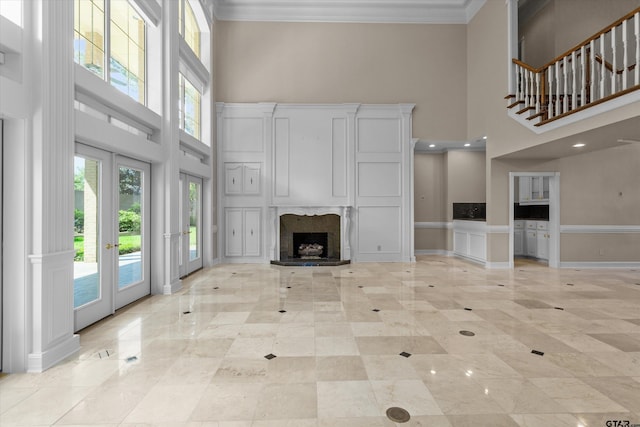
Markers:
<point>367,11</point>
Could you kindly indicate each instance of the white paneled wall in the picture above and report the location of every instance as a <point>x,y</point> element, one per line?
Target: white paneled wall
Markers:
<point>318,158</point>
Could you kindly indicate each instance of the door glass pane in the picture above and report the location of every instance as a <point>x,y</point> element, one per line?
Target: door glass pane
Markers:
<point>194,221</point>
<point>129,226</point>
<point>86,241</point>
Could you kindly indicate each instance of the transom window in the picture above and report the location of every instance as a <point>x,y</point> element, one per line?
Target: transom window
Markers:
<point>125,37</point>
<point>190,100</point>
<point>189,28</point>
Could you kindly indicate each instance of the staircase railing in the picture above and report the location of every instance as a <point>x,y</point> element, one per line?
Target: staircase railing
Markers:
<point>601,68</point>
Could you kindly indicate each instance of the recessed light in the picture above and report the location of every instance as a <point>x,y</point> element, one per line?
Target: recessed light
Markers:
<point>467,145</point>
<point>484,137</point>
<point>579,145</point>
<point>432,145</point>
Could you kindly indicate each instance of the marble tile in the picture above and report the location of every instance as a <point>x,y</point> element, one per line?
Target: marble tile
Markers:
<point>166,403</point>
<point>340,368</point>
<point>389,367</point>
<point>343,399</point>
<point>622,342</point>
<point>463,396</point>
<point>207,368</point>
<point>575,395</point>
<point>482,420</point>
<point>227,402</point>
<point>287,401</point>
<point>411,395</point>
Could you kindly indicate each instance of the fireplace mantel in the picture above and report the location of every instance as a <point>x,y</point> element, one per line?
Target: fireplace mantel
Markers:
<point>344,212</point>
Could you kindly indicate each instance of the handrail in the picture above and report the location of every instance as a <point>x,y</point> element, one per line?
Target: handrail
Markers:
<point>582,76</point>
<point>594,37</point>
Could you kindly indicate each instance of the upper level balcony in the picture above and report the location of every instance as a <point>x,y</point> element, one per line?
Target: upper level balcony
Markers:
<point>599,74</point>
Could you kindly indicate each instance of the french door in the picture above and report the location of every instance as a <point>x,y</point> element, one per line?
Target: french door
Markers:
<point>190,224</point>
<point>111,233</point>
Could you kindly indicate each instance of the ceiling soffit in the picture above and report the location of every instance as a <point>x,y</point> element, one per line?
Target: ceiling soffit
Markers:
<point>380,11</point>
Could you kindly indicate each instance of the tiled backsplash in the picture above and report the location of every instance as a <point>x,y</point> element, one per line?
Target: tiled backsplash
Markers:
<point>469,210</point>
<point>531,212</point>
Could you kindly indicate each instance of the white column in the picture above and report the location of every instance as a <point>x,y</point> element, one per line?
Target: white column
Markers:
<point>49,316</point>
<point>171,147</point>
<point>408,144</point>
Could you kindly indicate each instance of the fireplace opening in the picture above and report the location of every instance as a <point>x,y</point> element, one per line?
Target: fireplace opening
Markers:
<point>310,245</point>
<point>322,230</point>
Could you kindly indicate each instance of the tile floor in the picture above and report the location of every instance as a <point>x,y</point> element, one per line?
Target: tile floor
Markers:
<point>197,358</point>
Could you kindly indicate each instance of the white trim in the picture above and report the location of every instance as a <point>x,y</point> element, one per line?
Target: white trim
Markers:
<point>498,265</point>
<point>39,362</point>
<point>390,11</point>
<point>192,68</point>
<point>599,229</point>
<point>433,225</point>
<point>594,264</point>
<point>150,9</point>
<point>497,229</point>
<point>442,252</point>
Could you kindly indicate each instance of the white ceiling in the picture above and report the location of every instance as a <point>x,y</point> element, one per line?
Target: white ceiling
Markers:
<point>399,11</point>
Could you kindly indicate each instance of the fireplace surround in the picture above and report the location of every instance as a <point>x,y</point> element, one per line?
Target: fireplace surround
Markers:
<point>324,225</point>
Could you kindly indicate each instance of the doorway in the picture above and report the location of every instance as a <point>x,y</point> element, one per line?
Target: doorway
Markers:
<point>190,224</point>
<point>541,182</point>
<point>111,233</point>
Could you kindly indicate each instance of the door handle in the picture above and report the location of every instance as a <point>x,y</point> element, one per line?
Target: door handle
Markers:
<point>110,246</point>
<point>252,232</point>
<point>233,232</point>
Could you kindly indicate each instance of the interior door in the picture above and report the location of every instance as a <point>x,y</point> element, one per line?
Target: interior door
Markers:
<point>96,250</point>
<point>133,223</point>
<point>190,224</point>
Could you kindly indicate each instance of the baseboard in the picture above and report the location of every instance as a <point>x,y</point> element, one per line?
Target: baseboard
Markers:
<point>40,362</point>
<point>442,252</point>
<point>172,287</point>
<point>604,264</point>
<point>502,265</point>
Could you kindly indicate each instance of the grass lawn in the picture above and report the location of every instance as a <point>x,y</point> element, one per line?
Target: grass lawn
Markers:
<point>127,244</point>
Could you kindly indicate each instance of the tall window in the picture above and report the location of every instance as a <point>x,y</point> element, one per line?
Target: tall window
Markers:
<point>189,26</point>
<point>125,34</point>
<point>190,100</point>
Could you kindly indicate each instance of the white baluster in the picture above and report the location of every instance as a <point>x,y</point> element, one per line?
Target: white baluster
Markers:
<point>603,68</point>
<point>636,26</point>
<point>526,88</point>
<point>583,76</point>
<point>558,89</point>
<point>549,102</point>
<point>625,55</point>
<point>574,81</point>
<point>613,61</point>
<point>592,77</point>
<point>565,86</point>
<point>537,93</point>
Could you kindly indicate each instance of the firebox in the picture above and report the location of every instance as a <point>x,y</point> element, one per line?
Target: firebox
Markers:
<point>310,245</point>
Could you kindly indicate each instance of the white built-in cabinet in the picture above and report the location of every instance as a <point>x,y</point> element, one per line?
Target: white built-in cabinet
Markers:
<point>533,190</point>
<point>518,238</point>
<point>542,240</point>
<point>243,232</point>
<point>242,178</point>
<point>354,160</point>
<point>531,239</point>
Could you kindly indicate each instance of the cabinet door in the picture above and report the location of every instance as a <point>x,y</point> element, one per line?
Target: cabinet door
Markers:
<point>518,242</point>
<point>252,232</point>
<point>531,244</point>
<point>233,232</point>
<point>251,178</point>
<point>542,243</point>
<point>233,178</point>
<point>524,187</point>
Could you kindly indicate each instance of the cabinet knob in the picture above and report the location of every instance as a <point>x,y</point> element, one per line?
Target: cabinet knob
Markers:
<point>252,232</point>
<point>233,180</point>
<point>233,232</point>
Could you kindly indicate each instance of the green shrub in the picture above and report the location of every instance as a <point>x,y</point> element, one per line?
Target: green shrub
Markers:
<point>78,221</point>
<point>129,221</point>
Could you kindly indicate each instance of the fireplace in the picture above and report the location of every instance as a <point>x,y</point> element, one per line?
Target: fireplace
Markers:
<point>311,236</point>
<point>310,245</point>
